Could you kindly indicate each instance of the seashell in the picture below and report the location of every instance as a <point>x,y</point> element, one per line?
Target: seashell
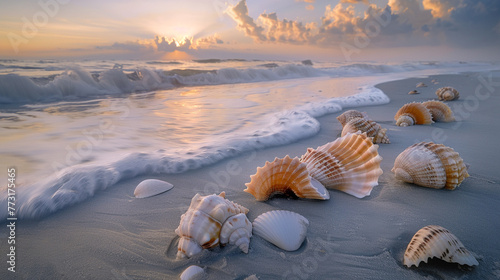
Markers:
<point>434,81</point>
<point>193,272</point>
<point>413,113</point>
<point>350,164</point>
<point>447,93</point>
<point>237,230</point>
<point>440,111</point>
<point>436,241</point>
<point>151,187</point>
<point>349,115</point>
<point>200,226</point>
<point>285,229</point>
<point>430,165</point>
<point>371,128</point>
<point>284,176</point>
<point>421,84</point>
<point>414,92</point>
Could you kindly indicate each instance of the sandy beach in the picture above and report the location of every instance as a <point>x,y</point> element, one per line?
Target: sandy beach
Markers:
<point>116,236</point>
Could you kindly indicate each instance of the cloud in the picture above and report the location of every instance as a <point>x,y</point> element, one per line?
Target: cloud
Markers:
<point>355,1</point>
<point>440,8</point>
<point>306,1</point>
<point>309,7</point>
<point>240,14</point>
<point>133,46</point>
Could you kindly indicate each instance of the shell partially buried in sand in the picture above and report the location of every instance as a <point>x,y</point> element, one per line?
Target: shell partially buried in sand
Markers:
<point>201,226</point>
<point>436,241</point>
<point>350,164</point>
<point>447,93</point>
<point>151,187</point>
<point>193,272</point>
<point>349,115</point>
<point>412,114</point>
<point>430,165</point>
<point>285,229</point>
<point>285,176</point>
<point>372,129</point>
<point>440,111</point>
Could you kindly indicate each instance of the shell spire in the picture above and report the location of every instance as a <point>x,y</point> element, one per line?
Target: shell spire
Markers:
<point>447,93</point>
<point>413,113</point>
<point>350,164</point>
<point>440,111</point>
<point>371,128</point>
<point>349,115</point>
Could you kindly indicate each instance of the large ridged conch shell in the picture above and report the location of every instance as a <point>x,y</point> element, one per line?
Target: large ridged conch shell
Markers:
<point>447,93</point>
<point>440,111</point>
<point>282,228</point>
<point>284,176</point>
<point>430,165</point>
<point>436,241</point>
<point>350,164</point>
<point>201,225</point>
<point>349,115</point>
<point>413,113</point>
<point>371,128</point>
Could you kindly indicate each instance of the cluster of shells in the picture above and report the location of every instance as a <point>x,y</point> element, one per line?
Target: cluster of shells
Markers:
<point>427,112</point>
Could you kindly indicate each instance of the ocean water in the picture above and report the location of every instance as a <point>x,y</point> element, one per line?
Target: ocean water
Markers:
<point>73,128</point>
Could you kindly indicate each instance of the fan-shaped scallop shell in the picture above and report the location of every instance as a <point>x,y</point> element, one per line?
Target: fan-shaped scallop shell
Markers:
<point>236,230</point>
<point>436,241</point>
<point>349,115</point>
<point>284,176</point>
<point>413,113</point>
<point>447,93</point>
<point>282,228</point>
<point>430,165</point>
<point>371,128</point>
<point>440,111</point>
<point>200,226</point>
<point>350,164</point>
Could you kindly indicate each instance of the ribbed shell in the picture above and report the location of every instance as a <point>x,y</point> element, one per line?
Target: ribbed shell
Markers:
<point>436,241</point>
<point>236,230</point>
<point>371,128</point>
<point>447,93</point>
<point>350,164</point>
<point>349,115</point>
<point>282,176</point>
<point>421,84</point>
<point>440,111</point>
<point>413,113</point>
<point>430,165</point>
<point>285,229</point>
<point>200,226</point>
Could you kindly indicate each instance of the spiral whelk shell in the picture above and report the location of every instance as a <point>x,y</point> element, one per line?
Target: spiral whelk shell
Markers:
<point>436,241</point>
<point>350,164</point>
<point>413,113</point>
<point>430,165</point>
<point>440,111</point>
<point>371,128</point>
<point>349,115</point>
<point>447,93</point>
<point>201,226</point>
<point>284,176</point>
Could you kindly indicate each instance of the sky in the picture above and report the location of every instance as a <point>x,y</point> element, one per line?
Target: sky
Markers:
<point>335,30</point>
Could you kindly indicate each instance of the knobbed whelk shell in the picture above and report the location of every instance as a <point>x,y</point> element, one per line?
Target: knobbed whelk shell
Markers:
<point>349,115</point>
<point>350,164</point>
<point>447,93</point>
<point>413,113</point>
<point>371,128</point>
<point>284,176</point>
<point>440,111</point>
<point>430,165</point>
<point>201,225</point>
<point>436,241</point>
<point>282,228</point>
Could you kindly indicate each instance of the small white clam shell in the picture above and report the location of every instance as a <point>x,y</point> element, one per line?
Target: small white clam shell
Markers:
<point>285,229</point>
<point>151,187</point>
<point>193,272</point>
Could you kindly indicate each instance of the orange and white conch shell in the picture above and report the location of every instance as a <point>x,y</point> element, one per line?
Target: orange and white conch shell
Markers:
<point>285,176</point>
<point>447,93</point>
<point>371,128</point>
<point>430,165</point>
<point>436,241</point>
<point>350,164</point>
<point>349,115</point>
<point>440,111</point>
<point>200,227</point>
<point>413,113</point>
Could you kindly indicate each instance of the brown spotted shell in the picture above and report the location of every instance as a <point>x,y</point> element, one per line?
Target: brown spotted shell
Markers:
<point>371,128</point>
<point>284,176</point>
<point>413,113</point>
<point>440,111</point>
<point>430,165</point>
<point>349,115</point>
<point>436,241</point>
<point>447,93</point>
<point>350,164</point>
